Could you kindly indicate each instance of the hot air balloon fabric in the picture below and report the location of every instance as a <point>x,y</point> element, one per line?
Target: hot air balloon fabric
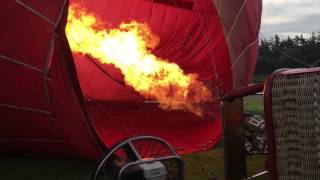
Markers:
<point>79,76</point>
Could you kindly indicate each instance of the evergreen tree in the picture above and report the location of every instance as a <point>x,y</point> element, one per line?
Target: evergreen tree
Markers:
<point>302,41</point>
<point>296,41</point>
<point>275,47</point>
<point>264,50</point>
<point>276,41</point>
<point>297,52</point>
<point>318,39</point>
<point>313,39</point>
<point>289,43</point>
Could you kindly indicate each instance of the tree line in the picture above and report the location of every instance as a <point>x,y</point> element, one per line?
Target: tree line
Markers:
<point>291,52</point>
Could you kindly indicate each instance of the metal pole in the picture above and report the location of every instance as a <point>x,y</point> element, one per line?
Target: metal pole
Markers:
<point>234,141</point>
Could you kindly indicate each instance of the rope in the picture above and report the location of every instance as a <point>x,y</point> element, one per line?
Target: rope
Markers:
<point>243,52</point>
<point>236,20</point>
<point>97,65</point>
<point>24,108</point>
<point>36,12</point>
<point>112,117</point>
<point>20,63</point>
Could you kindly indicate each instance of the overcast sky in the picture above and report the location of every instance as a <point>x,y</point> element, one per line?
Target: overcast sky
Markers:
<point>290,17</point>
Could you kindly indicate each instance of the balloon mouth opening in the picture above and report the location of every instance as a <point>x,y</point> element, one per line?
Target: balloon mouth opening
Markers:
<point>128,48</point>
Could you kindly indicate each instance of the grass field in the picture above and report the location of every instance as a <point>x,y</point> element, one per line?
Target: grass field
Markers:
<point>199,166</point>
<point>254,104</point>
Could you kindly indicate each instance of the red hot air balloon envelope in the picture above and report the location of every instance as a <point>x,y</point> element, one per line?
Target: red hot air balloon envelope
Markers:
<point>58,104</point>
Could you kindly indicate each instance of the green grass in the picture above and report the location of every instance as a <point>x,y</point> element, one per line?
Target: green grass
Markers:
<point>254,104</point>
<point>209,165</point>
<point>199,166</point>
<point>206,165</point>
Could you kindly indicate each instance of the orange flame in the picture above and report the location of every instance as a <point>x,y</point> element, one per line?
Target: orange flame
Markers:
<point>129,49</point>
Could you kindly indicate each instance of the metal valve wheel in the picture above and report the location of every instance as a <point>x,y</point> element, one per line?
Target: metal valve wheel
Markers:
<point>141,157</point>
